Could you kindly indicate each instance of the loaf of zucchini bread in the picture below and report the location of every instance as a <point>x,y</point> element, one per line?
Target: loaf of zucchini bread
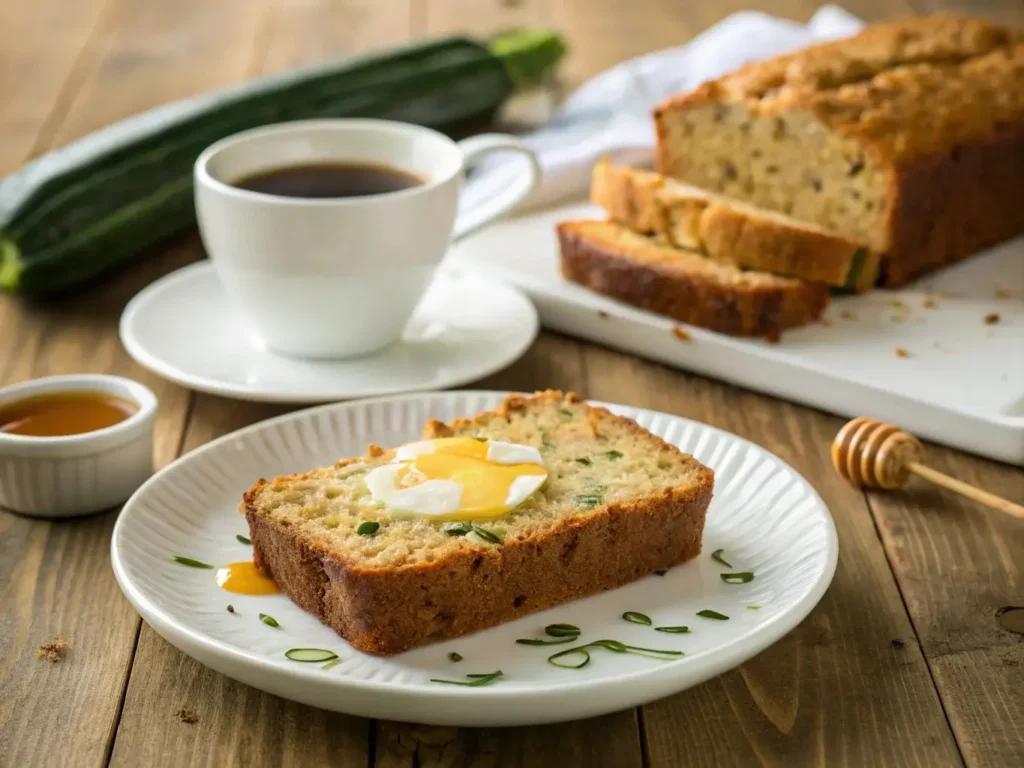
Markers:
<point>618,503</point>
<point>730,231</point>
<point>908,137</point>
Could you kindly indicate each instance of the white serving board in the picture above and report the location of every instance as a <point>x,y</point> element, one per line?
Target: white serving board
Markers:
<point>961,383</point>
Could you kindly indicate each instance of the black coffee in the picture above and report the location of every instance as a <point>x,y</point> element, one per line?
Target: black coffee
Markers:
<point>329,180</point>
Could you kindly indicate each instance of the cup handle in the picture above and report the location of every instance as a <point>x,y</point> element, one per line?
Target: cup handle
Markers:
<point>475,148</point>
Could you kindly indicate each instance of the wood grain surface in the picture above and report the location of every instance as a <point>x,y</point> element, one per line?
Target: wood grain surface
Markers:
<point>902,663</point>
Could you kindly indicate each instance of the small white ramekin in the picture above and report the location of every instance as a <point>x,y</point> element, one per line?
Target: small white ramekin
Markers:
<point>77,474</point>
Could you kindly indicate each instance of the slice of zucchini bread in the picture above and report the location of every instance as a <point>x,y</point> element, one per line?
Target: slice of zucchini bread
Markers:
<point>647,273</point>
<point>618,504</point>
<point>908,137</point>
<point>730,231</point>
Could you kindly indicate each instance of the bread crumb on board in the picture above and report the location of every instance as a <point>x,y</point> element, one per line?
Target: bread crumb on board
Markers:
<point>680,334</point>
<point>54,651</point>
<point>602,314</point>
<point>187,715</point>
<point>1002,293</point>
<point>930,303</point>
<point>901,352</point>
<point>991,319</point>
<point>848,315</point>
<point>826,322</point>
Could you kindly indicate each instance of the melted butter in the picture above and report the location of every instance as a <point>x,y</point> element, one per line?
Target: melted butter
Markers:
<point>485,484</point>
<point>245,579</point>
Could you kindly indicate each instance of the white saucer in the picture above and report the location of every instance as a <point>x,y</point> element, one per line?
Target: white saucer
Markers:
<point>183,327</point>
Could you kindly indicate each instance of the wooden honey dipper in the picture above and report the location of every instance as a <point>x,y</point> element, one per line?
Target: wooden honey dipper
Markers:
<point>877,455</point>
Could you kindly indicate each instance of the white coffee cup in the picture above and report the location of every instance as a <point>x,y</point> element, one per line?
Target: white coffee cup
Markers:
<point>337,277</point>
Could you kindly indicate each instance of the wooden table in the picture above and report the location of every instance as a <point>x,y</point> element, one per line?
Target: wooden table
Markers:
<point>902,663</point>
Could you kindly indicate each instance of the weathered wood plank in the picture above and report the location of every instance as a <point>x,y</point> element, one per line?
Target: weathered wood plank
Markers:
<point>612,740</point>
<point>957,564</point>
<point>849,685</point>
<point>47,49</point>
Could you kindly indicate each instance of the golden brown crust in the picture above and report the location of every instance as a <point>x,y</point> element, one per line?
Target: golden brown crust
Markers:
<point>952,206</point>
<point>936,103</point>
<point>727,231</point>
<point>389,609</point>
<point>619,263</point>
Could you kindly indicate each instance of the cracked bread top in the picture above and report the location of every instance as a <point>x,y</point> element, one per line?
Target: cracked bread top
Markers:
<point>907,88</point>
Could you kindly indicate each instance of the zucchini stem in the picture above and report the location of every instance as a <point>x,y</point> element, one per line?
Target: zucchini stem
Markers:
<point>528,54</point>
<point>10,265</point>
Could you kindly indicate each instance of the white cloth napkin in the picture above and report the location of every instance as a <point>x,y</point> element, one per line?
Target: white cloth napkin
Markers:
<point>611,113</point>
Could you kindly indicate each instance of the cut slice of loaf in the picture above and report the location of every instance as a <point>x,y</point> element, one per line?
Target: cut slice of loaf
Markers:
<point>730,231</point>
<point>645,272</point>
<point>619,504</point>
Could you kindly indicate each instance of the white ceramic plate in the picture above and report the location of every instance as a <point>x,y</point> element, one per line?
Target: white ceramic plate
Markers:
<point>961,383</point>
<point>766,516</point>
<point>182,327</point>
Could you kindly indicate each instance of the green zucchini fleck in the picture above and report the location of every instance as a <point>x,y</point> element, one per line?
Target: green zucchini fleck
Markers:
<point>857,261</point>
<point>367,527</point>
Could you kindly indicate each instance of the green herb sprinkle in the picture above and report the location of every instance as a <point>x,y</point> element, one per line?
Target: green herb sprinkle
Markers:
<point>637,618</point>
<point>707,613</point>
<point>190,562</point>
<point>368,528</point>
<point>475,681</point>
<point>743,577</point>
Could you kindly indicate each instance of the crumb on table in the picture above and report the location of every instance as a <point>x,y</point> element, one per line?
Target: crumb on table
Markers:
<point>602,314</point>
<point>901,352</point>
<point>848,315</point>
<point>55,650</point>
<point>1002,293</point>
<point>680,334</point>
<point>930,303</point>
<point>826,322</point>
<point>898,645</point>
<point>991,319</point>
<point>187,715</point>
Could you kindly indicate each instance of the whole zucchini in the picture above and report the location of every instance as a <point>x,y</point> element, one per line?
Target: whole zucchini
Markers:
<point>97,202</point>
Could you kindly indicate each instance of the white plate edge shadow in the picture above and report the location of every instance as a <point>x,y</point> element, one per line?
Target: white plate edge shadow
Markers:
<point>474,706</point>
<point>200,383</point>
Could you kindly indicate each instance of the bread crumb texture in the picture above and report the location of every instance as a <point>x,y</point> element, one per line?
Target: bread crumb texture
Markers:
<point>54,651</point>
<point>588,453</point>
<point>187,715</point>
